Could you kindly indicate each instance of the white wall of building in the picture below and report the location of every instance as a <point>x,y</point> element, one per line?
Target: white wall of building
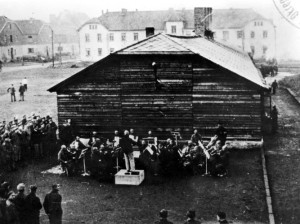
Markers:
<point>259,41</point>
<point>111,41</point>
<point>175,28</point>
<point>263,46</point>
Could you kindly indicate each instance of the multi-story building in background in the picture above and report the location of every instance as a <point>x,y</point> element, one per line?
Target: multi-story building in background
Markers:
<point>247,30</point>
<point>112,31</point>
<point>31,38</point>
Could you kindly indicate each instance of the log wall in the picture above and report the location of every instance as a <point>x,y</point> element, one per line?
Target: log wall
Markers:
<point>194,93</point>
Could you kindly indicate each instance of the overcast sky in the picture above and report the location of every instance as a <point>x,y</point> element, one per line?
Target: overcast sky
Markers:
<point>288,36</point>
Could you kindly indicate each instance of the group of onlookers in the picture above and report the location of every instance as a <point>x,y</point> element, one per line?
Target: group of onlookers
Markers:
<point>21,140</point>
<point>22,89</point>
<point>22,208</point>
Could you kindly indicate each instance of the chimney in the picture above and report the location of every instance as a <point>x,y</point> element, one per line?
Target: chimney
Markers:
<point>124,11</point>
<point>202,19</point>
<point>149,31</point>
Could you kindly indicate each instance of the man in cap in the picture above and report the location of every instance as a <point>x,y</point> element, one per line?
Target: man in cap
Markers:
<point>33,206</point>
<point>191,218</point>
<point>163,214</point>
<point>52,205</point>
<point>20,203</point>
<point>221,217</point>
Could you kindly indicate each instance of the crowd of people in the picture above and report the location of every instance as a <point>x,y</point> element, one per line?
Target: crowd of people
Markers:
<point>22,89</point>
<point>104,157</point>
<point>21,139</point>
<point>22,208</point>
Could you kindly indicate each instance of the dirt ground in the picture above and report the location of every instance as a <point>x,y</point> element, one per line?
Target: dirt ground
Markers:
<point>241,195</point>
<point>283,160</point>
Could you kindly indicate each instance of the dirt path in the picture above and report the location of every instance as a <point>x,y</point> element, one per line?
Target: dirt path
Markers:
<point>283,159</point>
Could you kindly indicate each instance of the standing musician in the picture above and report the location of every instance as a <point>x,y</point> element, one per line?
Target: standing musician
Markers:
<point>116,140</point>
<point>196,137</point>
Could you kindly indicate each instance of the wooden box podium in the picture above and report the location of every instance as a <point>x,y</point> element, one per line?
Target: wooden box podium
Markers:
<point>135,178</point>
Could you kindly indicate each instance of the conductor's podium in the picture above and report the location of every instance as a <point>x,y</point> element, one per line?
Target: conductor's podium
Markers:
<point>133,178</point>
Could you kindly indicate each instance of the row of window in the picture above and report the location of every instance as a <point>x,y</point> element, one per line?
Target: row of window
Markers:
<point>240,34</point>
<point>258,24</point>
<point>93,27</point>
<point>88,51</point>
<point>111,37</point>
<point>264,49</point>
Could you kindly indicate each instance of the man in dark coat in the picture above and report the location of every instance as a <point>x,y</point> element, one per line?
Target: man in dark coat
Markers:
<point>3,218</point>
<point>67,133</point>
<point>12,92</point>
<point>221,217</point>
<point>50,137</point>
<point>21,91</point>
<point>274,117</point>
<point>163,214</point>
<point>274,86</point>
<point>126,145</point>
<point>191,218</point>
<point>33,206</point>
<point>221,133</point>
<point>20,203</point>
<point>11,210</point>
<point>52,205</point>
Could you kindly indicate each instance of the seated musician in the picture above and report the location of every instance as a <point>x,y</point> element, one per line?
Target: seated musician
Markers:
<point>63,157</point>
<point>187,150</point>
<point>218,159</point>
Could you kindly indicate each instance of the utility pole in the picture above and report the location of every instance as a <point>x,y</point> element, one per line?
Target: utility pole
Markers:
<point>52,49</point>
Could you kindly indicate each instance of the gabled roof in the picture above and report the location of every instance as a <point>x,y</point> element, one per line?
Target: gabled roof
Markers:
<point>156,44</point>
<point>30,27</point>
<point>3,21</point>
<point>231,59</point>
<point>139,20</point>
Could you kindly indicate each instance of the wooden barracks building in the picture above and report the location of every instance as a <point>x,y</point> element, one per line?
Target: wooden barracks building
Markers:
<point>167,83</point>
